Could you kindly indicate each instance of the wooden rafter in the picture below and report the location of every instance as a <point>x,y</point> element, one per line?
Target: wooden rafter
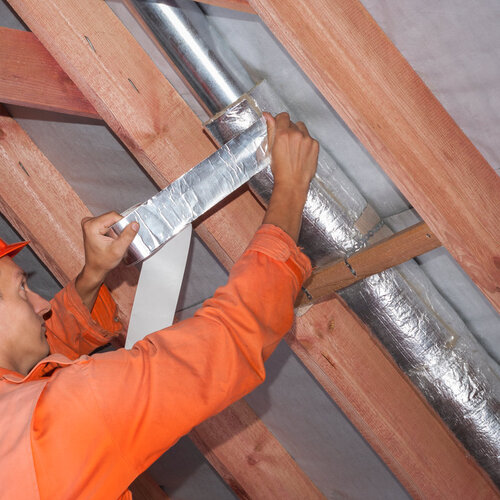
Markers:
<point>31,77</point>
<point>264,459</point>
<point>167,139</point>
<point>390,252</point>
<point>30,196</point>
<point>400,122</point>
<point>402,428</point>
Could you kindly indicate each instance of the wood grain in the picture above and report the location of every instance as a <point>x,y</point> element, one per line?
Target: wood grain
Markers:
<point>167,138</point>
<point>31,77</point>
<point>390,252</point>
<point>400,122</point>
<point>381,402</point>
<point>252,445</point>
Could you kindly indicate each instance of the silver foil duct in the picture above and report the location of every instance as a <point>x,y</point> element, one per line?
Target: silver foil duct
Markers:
<point>191,195</point>
<point>177,31</point>
<point>420,329</point>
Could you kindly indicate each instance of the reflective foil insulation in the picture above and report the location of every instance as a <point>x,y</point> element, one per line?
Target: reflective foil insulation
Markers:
<point>418,327</point>
<point>191,195</point>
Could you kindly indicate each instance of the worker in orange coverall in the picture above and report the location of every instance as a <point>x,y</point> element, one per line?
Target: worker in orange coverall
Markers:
<point>79,426</point>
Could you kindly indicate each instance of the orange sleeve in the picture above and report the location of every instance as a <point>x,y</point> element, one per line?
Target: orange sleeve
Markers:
<point>72,330</point>
<point>103,420</point>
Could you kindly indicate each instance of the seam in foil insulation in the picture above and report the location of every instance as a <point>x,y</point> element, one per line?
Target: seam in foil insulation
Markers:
<point>418,327</point>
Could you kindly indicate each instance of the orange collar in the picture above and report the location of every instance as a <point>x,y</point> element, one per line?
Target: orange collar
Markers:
<point>43,368</point>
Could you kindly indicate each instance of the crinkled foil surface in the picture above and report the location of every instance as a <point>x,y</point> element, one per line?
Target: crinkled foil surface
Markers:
<point>424,334</point>
<point>191,195</point>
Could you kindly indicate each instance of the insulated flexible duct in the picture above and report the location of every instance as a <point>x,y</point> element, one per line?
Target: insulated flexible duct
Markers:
<point>418,327</point>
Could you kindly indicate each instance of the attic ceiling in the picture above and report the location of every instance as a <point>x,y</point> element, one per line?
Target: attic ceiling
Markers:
<point>455,48</point>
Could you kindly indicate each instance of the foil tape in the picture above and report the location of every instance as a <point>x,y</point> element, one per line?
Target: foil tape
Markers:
<point>191,195</point>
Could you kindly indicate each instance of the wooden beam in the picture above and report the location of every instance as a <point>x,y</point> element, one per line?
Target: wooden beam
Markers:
<point>244,432</point>
<point>167,138</point>
<point>31,77</point>
<point>390,252</point>
<point>32,190</point>
<point>241,5</point>
<point>30,196</point>
<point>381,402</point>
<point>404,127</point>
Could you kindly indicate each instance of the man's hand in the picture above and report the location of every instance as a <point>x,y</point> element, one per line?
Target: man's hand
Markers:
<point>294,159</point>
<point>102,253</point>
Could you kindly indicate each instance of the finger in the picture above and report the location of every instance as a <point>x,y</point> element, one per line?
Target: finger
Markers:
<point>85,220</point>
<point>127,235</point>
<point>271,129</point>
<point>282,121</point>
<point>105,221</point>
<point>302,127</point>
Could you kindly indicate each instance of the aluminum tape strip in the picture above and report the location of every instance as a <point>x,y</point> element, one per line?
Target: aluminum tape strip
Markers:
<point>191,195</point>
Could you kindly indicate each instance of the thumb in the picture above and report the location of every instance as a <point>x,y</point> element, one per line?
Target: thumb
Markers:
<point>271,129</point>
<point>127,235</point>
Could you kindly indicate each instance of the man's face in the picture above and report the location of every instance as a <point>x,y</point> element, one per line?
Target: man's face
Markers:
<point>22,327</point>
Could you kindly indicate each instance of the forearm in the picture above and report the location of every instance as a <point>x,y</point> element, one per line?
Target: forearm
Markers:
<point>87,285</point>
<point>285,209</point>
<point>294,159</point>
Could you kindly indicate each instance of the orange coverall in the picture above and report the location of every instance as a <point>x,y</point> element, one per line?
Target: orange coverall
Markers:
<point>86,427</point>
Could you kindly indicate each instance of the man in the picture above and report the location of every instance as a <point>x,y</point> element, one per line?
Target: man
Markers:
<point>74,426</point>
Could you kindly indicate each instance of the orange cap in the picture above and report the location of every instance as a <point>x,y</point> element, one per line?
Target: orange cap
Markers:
<point>12,249</point>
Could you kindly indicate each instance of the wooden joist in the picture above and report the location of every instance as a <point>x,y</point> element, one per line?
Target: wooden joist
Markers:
<point>166,137</point>
<point>31,77</point>
<point>212,439</point>
<point>400,122</point>
<point>387,253</point>
<point>381,402</point>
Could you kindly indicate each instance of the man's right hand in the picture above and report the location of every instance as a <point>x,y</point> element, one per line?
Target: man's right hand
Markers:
<point>294,158</point>
<point>103,253</point>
